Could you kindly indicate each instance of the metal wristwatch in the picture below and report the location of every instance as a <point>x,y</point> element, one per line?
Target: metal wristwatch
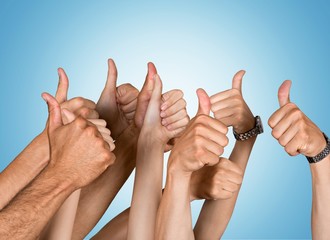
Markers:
<point>258,129</point>
<point>321,155</point>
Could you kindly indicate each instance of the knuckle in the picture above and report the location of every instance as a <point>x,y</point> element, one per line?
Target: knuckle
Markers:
<point>184,103</point>
<point>275,133</point>
<point>296,113</point>
<point>214,193</point>
<point>80,122</point>
<point>92,130</point>
<point>291,105</point>
<point>198,129</point>
<point>281,141</point>
<point>84,111</point>
<point>79,101</point>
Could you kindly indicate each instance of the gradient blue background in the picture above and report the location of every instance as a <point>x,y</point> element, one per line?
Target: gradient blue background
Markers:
<point>193,44</point>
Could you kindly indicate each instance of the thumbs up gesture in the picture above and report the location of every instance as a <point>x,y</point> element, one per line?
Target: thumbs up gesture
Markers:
<point>230,108</point>
<point>293,129</point>
<point>117,105</point>
<point>78,152</point>
<point>169,112</point>
<point>201,143</point>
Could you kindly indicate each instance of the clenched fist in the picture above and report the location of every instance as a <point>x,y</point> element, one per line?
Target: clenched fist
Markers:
<point>202,142</point>
<point>293,129</point>
<point>78,152</point>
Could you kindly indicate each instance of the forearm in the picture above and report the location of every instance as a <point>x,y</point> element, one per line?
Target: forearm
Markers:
<point>97,196</point>
<point>61,225</point>
<point>147,189</point>
<point>116,229</point>
<point>26,216</point>
<point>24,168</point>
<point>174,214</point>
<point>215,215</point>
<point>321,199</point>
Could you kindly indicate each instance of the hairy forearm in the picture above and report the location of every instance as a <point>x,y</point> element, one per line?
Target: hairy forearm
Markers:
<point>96,197</point>
<point>26,216</point>
<point>147,189</point>
<point>24,168</point>
<point>215,215</point>
<point>174,214</point>
<point>321,199</point>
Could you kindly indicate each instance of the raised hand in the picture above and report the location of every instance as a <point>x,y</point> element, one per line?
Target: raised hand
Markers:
<point>293,129</point>
<point>216,182</point>
<point>77,150</point>
<point>230,108</point>
<point>117,105</point>
<point>202,142</point>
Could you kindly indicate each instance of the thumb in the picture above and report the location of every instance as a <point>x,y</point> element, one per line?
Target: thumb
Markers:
<point>148,85</point>
<point>151,70</point>
<point>67,116</point>
<point>63,86</point>
<point>111,83</point>
<point>54,112</point>
<point>157,90</point>
<point>284,93</point>
<point>237,80</point>
<point>204,104</point>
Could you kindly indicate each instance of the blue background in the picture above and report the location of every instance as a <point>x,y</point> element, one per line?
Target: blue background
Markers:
<point>193,44</point>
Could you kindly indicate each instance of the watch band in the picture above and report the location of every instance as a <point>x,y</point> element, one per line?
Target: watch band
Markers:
<point>321,155</point>
<point>258,129</point>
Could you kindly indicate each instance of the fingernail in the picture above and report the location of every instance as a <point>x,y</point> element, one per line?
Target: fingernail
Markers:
<point>162,114</point>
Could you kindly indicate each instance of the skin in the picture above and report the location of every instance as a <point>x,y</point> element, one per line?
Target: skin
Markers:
<point>60,227</point>
<point>230,108</point>
<point>96,197</point>
<point>201,144</point>
<point>299,135</point>
<point>149,164</point>
<point>78,154</point>
<point>204,184</point>
<point>35,157</point>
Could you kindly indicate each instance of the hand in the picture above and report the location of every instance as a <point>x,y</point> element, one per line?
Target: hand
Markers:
<point>230,108</point>
<point>117,105</point>
<point>174,115</point>
<point>78,106</point>
<point>216,182</point>
<point>78,152</point>
<point>100,124</point>
<point>293,129</point>
<point>174,111</point>
<point>202,142</point>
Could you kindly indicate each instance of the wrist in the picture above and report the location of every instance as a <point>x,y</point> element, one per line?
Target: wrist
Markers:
<point>175,170</point>
<point>248,124</point>
<point>321,172</point>
<point>322,150</point>
<point>63,182</point>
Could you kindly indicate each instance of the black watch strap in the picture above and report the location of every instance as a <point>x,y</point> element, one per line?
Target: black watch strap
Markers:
<point>321,155</point>
<point>258,129</point>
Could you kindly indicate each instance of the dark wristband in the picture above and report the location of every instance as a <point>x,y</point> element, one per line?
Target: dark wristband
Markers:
<point>258,129</point>
<point>319,157</point>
